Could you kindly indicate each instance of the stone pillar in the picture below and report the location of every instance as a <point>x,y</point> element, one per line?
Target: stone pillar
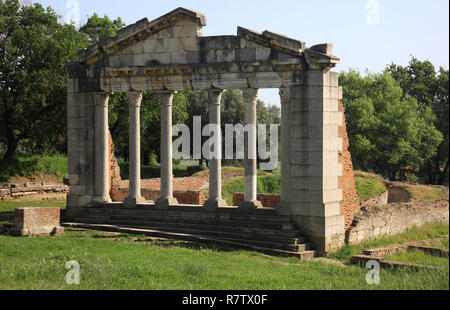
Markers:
<point>315,195</point>
<point>80,148</point>
<point>101,149</point>
<point>166,199</point>
<point>283,208</point>
<point>215,166</point>
<point>250,162</point>
<point>134,197</point>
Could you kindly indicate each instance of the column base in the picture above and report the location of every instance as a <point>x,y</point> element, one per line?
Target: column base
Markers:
<point>214,204</point>
<point>250,205</point>
<point>97,199</point>
<point>284,208</point>
<point>131,202</point>
<point>164,203</point>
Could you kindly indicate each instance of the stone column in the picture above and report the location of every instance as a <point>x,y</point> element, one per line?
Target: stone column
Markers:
<point>166,199</point>
<point>250,162</point>
<point>283,208</point>
<point>101,149</point>
<point>134,197</point>
<point>315,193</point>
<point>215,167</point>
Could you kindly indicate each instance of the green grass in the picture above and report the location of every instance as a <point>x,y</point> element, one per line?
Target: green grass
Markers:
<point>428,231</point>
<point>417,257</point>
<point>33,165</point>
<point>123,262</point>
<point>442,243</point>
<point>267,184</point>
<point>368,185</point>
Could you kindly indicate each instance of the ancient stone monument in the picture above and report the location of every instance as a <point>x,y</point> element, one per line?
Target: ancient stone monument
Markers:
<point>170,54</point>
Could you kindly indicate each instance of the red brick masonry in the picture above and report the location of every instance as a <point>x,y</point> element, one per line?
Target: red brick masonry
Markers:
<point>267,200</point>
<point>37,221</point>
<point>350,201</point>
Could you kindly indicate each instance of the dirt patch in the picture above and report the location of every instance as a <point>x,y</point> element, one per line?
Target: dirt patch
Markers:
<point>398,195</point>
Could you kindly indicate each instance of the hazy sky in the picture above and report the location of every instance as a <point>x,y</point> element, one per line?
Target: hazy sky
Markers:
<point>365,33</point>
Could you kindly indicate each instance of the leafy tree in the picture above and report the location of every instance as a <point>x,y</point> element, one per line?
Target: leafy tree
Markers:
<point>33,50</point>
<point>387,130</point>
<point>98,28</point>
<point>421,81</point>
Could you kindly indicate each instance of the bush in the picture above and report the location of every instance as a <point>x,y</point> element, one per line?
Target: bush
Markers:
<point>31,165</point>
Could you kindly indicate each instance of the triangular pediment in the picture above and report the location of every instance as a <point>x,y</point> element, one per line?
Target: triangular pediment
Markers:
<point>176,39</point>
<point>183,22</point>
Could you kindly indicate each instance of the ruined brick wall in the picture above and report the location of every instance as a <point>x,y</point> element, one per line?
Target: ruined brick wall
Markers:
<point>183,197</point>
<point>374,221</point>
<point>114,170</point>
<point>267,200</point>
<point>350,203</point>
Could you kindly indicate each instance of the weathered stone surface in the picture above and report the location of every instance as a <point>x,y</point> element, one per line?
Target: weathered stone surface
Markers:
<point>169,54</point>
<point>37,222</point>
<point>374,221</point>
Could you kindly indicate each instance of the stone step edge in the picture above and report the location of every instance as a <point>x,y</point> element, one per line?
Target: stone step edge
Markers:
<point>190,222</point>
<point>135,223</point>
<point>191,219</point>
<point>191,211</point>
<point>191,237</point>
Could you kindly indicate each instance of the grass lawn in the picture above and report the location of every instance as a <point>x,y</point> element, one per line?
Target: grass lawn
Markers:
<point>120,261</point>
<point>417,257</point>
<point>37,166</point>
<point>368,185</point>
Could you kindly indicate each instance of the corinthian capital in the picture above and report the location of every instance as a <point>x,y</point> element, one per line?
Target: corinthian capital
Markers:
<point>285,95</point>
<point>134,98</point>
<point>250,95</point>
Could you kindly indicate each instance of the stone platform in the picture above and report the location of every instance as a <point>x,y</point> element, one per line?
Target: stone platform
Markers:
<point>259,230</point>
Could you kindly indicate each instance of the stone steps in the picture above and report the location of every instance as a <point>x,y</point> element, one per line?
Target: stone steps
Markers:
<point>306,254</point>
<point>262,231</point>
<point>231,232</point>
<point>188,219</point>
<point>194,212</point>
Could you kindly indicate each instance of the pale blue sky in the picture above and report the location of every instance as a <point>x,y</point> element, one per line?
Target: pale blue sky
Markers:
<point>406,27</point>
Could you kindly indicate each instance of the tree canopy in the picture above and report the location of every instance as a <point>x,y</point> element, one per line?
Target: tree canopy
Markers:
<point>387,129</point>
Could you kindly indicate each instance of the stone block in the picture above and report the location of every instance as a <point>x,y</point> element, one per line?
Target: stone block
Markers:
<point>312,145</point>
<point>153,46</point>
<point>248,54</point>
<point>263,54</point>
<point>178,58</point>
<point>321,78</point>
<point>225,55</point>
<point>37,222</point>
<point>137,48</point>
<point>160,58</point>
<point>186,31</point>
<point>315,105</point>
